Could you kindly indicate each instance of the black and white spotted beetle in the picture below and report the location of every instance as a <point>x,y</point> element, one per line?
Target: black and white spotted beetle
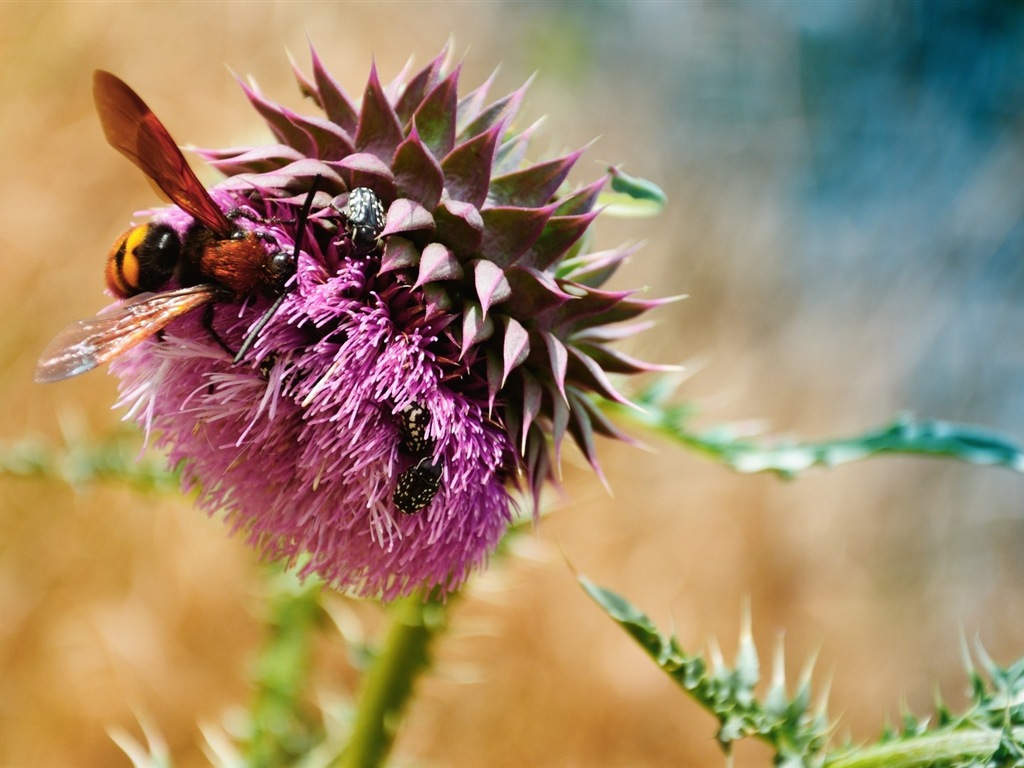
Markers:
<point>418,485</point>
<point>412,427</point>
<point>364,217</point>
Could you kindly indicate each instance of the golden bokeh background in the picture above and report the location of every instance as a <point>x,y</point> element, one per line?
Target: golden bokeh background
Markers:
<point>117,606</point>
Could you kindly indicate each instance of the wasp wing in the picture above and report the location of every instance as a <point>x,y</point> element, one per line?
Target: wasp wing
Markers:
<point>86,344</point>
<point>133,130</point>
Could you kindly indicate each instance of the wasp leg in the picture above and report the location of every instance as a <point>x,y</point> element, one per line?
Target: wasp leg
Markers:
<point>208,325</point>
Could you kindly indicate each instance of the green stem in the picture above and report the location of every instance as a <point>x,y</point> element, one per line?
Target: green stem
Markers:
<point>387,686</point>
<point>114,457</point>
<point>919,751</point>
<point>280,726</point>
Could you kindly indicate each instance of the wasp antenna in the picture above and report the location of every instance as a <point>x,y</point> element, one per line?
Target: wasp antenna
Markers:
<point>300,236</point>
<point>300,233</point>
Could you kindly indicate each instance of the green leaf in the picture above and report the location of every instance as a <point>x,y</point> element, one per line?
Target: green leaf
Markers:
<point>965,442</point>
<point>114,457</point>
<point>988,734</point>
<point>727,693</point>
<point>733,447</point>
<point>632,197</point>
<point>630,618</point>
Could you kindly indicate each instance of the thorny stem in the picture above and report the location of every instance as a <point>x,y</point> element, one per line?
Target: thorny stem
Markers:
<point>388,684</point>
<point>924,750</point>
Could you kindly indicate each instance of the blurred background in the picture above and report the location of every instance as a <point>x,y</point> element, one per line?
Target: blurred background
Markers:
<point>847,217</point>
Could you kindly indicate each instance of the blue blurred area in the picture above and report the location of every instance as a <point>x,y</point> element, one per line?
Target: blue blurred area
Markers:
<point>886,138</point>
<point>914,113</point>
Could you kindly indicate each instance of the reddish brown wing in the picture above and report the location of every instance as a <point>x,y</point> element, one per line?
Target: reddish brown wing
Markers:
<point>132,129</point>
<point>86,344</point>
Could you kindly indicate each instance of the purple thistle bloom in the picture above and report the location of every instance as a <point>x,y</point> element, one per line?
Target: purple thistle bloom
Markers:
<point>419,365</point>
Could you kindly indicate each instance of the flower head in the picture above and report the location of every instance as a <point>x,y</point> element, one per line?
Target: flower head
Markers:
<point>444,330</point>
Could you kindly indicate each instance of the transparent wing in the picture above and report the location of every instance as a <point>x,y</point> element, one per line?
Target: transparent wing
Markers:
<point>89,343</point>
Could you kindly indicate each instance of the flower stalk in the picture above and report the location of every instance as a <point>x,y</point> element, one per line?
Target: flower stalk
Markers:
<point>388,684</point>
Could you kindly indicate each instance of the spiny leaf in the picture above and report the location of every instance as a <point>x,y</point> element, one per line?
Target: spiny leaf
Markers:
<point>467,167</point>
<point>509,232</point>
<point>491,284</point>
<point>438,263</point>
<point>435,116</point>
<point>407,216</point>
<point>414,90</point>
<point>533,185</point>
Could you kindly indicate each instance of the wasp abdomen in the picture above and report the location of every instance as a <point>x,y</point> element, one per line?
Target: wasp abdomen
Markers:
<point>142,259</point>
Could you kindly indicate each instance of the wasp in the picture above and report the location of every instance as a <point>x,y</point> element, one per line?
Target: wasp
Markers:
<point>214,260</point>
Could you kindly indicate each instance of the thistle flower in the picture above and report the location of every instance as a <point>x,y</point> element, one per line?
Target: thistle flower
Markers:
<point>444,331</point>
